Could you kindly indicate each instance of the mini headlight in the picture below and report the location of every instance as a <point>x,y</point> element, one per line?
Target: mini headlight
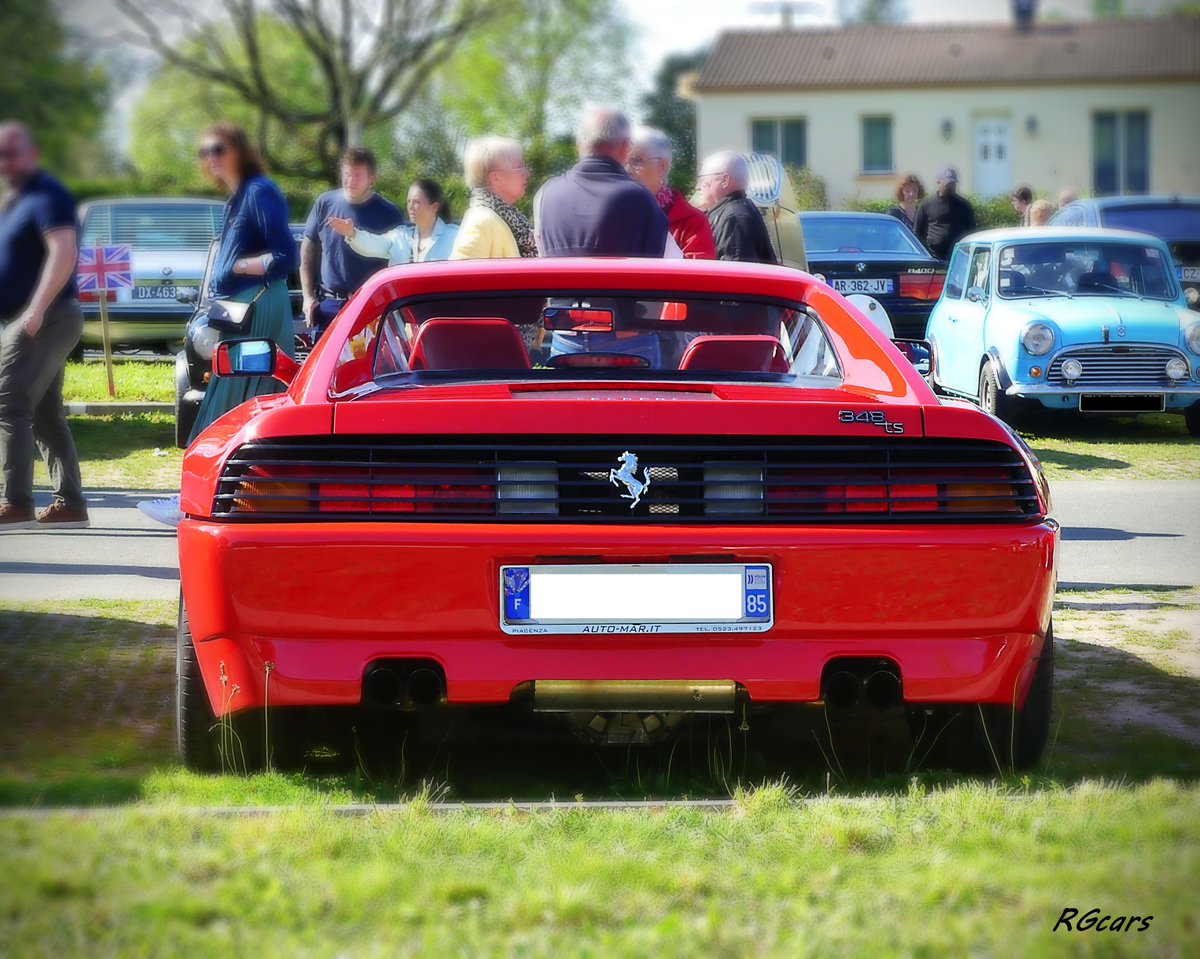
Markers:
<point>1192,337</point>
<point>819,277</point>
<point>1192,294</point>
<point>204,339</point>
<point>1037,338</point>
<point>1176,368</point>
<point>1072,369</point>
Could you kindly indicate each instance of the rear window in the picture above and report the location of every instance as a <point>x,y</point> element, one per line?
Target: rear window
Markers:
<point>1173,223</point>
<point>153,226</point>
<point>851,234</point>
<point>591,336</point>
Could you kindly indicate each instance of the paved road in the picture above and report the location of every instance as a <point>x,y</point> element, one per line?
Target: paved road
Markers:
<point>1115,533</point>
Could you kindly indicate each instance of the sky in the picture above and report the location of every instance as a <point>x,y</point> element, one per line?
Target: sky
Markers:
<point>668,26</point>
<point>661,27</point>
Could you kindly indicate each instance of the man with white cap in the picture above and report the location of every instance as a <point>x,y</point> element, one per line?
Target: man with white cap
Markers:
<point>944,218</point>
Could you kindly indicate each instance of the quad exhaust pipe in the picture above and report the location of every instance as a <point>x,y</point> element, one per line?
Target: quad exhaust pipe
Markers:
<point>386,686</point>
<point>843,689</point>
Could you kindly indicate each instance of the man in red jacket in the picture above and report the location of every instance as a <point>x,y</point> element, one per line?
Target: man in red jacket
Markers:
<point>649,163</point>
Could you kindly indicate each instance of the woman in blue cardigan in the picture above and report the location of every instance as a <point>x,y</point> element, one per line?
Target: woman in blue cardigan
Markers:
<point>255,253</point>
<point>429,237</point>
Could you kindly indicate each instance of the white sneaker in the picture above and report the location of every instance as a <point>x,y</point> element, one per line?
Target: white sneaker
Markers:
<point>165,511</point>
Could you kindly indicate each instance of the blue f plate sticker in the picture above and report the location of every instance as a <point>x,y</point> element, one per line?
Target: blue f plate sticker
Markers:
<point>758,594</point>
<point>516,593</point>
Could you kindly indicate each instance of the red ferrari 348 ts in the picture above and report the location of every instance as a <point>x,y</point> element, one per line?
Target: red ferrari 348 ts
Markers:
<point>723,492</point>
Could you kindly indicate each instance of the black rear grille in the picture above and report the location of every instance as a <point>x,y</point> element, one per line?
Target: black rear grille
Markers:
<point>693,480</point>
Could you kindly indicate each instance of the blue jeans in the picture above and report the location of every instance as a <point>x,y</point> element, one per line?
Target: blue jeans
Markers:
<point>324,314</point>
<point>643,344</point>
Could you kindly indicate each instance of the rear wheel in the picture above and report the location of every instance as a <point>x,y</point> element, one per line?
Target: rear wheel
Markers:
<point>993,738</point>
<point>185,419</point>
<point>194,718</point>
<point>201,737</point>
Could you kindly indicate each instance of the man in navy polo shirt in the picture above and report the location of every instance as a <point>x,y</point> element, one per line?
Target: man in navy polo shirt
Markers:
<point>39,308</point>
<point>597,209</point>
<point>330,271</point>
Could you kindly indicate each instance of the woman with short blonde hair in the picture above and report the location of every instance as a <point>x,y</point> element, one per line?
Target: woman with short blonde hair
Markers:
<point>492,227</point>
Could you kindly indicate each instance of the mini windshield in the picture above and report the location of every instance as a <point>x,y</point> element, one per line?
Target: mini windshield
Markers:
<point>1084,268</point>
<point>859,234</point>
<point>554,336</point>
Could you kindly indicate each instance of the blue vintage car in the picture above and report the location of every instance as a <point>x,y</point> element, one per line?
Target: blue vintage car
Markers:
<point>1063,318</point>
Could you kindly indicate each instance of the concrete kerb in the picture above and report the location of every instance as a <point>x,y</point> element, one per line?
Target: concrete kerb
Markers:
<point>109,409</point>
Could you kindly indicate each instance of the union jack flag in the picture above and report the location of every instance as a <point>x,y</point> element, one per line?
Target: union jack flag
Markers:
<point>105,268</point>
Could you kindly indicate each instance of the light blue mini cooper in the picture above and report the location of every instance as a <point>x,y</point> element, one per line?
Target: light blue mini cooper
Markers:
<point>1059,318</point>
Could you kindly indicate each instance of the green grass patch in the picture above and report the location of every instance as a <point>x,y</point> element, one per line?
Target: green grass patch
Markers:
<point>125,451</point>
<point>136,381</point>
<point>969,870</point>
<point>88,718</point>
<point>1144,447</point>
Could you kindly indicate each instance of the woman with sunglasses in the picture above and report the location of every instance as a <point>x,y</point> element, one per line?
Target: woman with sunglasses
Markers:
<point>255,253</point>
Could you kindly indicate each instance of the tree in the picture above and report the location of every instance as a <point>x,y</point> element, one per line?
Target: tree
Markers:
<point>665,109</point>
<point>529,72</point>
<point>60,96</point>
<point>371,59</point>
<point>872,12</point>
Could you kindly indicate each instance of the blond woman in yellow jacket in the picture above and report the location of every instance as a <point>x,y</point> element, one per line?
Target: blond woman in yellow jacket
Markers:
<point>492,227</point>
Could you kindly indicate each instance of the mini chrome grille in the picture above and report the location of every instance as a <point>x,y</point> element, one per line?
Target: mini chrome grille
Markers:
<point>1116,366</point>
<point>692,480</point>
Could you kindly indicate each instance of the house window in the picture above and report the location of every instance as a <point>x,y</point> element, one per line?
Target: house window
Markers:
<point>1121,153</point>
<point>786,139</point>
<point>877,145</point>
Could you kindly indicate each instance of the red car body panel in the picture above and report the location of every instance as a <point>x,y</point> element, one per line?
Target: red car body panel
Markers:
<point>962,609</point>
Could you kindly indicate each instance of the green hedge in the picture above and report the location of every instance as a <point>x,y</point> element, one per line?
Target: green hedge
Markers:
<point>990,212</point>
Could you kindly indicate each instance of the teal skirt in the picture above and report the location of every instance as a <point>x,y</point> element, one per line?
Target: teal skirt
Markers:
<point>271,320</point>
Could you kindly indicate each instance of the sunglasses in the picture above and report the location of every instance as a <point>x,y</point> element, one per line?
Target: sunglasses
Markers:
<point>212,150</point>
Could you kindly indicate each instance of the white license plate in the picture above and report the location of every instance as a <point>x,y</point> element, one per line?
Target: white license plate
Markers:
<point>155,292</point>
<point>636,598</point>
<point>869,285</point>
<point>1189,273</point>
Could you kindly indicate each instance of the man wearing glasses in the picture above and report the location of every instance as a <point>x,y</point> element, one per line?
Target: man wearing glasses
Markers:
<point>739,230</point>
<point>39,307</point>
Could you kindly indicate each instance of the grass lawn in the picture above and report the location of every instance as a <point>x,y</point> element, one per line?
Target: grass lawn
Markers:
<point>136,381</point>
<point>124,451</point>
<point>968,870</point>
<point>901,864</point>
<point>1146,447</point>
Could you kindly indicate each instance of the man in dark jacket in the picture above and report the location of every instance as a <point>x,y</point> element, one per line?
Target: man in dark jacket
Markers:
<point>597,209</point>
<point>944,218</point>
<point>739,230</point>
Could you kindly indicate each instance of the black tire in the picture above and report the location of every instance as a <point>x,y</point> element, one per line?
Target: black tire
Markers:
<point>1191,416</point>
<point>992,398</point>
<point>185,419</point>
<point>198,734</point>
<point>990,738</point>
<point>194,718</point>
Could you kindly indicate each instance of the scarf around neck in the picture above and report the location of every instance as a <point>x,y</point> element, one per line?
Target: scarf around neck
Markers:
<point>513,218</point>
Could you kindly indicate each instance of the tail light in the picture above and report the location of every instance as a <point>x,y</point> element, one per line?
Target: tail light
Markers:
<point>899,490</point>
<point>110,296</point>
<point>922,286</point>
<point>365,490</point>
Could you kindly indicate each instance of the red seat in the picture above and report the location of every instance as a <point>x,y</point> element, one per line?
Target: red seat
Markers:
<point>482,343</point>
<point>735,354</point>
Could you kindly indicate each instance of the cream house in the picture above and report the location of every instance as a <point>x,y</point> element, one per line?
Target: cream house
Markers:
<point>1100,107</point>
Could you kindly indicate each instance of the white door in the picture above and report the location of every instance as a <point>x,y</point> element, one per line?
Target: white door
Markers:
<point>993,156</point>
